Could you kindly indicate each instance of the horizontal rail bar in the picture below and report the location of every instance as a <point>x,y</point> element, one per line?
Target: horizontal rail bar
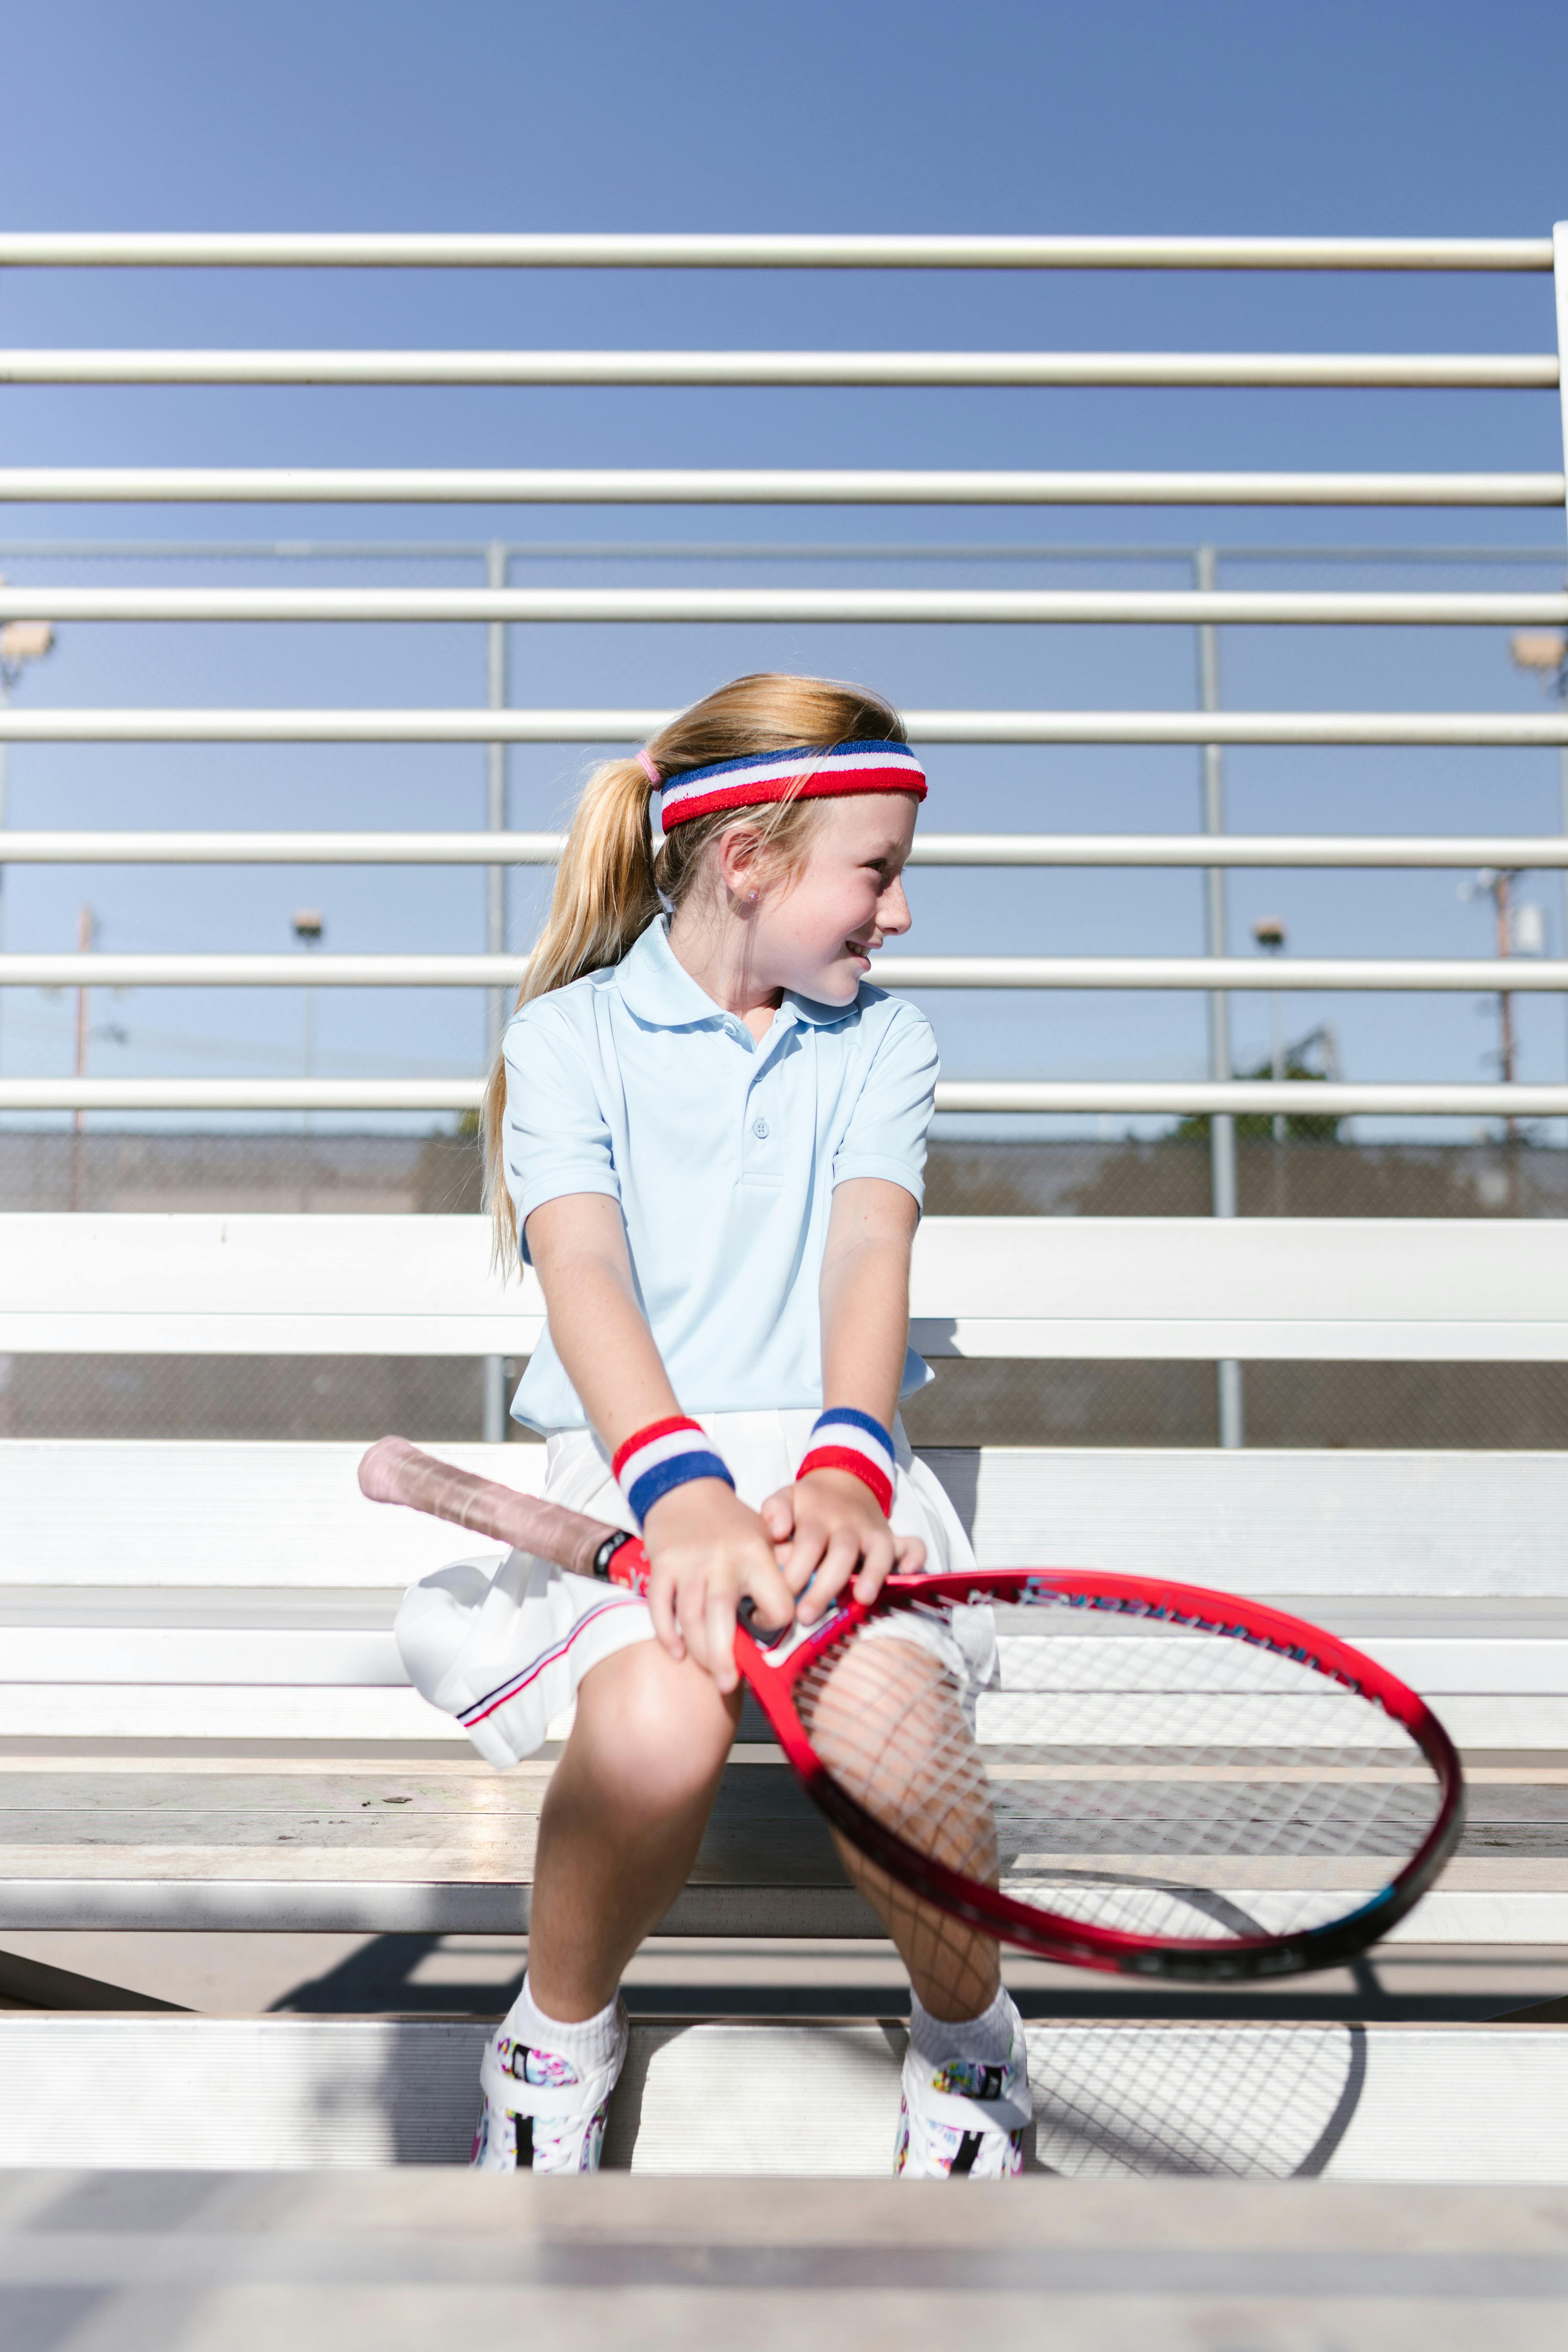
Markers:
<point>1514,852</point>
<point>750,486</point>
<point>1410,974</point>
<point>265,250</point>
<point>1518,853</point>
<point>1517,728</point>
<point>296,849</point>
<point>990,606</point>
<point>1176,1098</point>
<point>1402,371</point>
<point>1402,974</point>
<point>1321,1099</point>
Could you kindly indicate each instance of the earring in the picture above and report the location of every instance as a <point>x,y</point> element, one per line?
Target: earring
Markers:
<point>752,899</point>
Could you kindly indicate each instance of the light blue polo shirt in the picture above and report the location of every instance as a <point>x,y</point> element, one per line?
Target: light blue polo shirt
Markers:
<point>723,1152</point>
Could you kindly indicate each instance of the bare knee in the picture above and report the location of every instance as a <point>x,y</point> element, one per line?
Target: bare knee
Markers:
<point>655,1732</point>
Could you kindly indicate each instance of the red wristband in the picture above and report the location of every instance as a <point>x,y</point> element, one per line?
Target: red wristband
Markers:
<point>845,1439</point>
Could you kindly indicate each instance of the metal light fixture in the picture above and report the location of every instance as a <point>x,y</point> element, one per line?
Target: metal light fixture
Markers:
<point>24,641</point>
<point>1537,649</point>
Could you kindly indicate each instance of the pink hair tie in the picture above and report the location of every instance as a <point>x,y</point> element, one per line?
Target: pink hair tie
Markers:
<point>649,771</point>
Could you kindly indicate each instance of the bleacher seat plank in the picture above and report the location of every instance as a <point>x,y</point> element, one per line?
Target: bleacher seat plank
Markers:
<point>1429,1289</point>
<point>381,2260</point>
<point>445,1846</point>
<point>1425,2104</point>
<point>268,1513</point>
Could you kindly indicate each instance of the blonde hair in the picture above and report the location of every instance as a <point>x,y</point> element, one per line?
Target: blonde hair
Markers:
<point>610,885</point>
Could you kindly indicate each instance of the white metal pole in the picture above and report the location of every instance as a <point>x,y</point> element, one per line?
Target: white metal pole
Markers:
<point>1222,1127</point>
<point>496,793</point>
<point>493,1373</point>
<point>1560,276</point>
<point>1563,800</point>
<point>309,1052</point>
<point>5,780</point>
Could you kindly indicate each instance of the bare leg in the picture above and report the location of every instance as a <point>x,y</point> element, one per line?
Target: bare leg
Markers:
<point>887,1722</point>
<point>623,1819</point>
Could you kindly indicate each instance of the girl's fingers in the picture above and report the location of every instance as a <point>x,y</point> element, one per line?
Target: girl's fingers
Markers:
<point>777,1514</point>
<point>870,1580</point>
<point>719,1627</point>
<point>662,1608</point>
<point>837,1566</point>
<point>800,1562</point>
<point>693,1611</point>
<point>771,1594</point>
<point>909,1555</point>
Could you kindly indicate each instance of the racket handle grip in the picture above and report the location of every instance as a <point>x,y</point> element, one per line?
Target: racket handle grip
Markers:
<point>621,1560</point>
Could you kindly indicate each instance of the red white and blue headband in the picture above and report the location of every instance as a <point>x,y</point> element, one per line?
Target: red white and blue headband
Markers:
<point>800,773</point>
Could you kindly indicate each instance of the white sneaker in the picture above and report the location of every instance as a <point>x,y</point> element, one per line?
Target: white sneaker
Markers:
<point>537,2112</point>
<point>959,2117</point>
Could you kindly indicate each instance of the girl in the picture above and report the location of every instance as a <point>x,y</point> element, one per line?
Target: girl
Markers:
<point>706,1133</point>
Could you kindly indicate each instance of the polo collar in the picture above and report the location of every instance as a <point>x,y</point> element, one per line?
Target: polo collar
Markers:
<point>657,988</point>
<point>819,1016</point>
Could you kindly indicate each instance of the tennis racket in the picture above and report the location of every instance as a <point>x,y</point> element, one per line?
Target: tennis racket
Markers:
<point>1114,1771</point>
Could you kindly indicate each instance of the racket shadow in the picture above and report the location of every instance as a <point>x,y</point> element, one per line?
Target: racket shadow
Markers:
<point>1228,2102</point>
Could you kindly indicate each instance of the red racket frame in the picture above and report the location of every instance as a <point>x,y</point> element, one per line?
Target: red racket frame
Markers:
<point>1052,1935</point>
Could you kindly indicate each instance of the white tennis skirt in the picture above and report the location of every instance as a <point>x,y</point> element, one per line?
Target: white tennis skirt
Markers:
<point>503,1643</point>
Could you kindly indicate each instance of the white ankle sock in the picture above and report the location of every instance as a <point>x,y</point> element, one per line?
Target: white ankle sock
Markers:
<point>588,2043</point>
<point>986,2038</point>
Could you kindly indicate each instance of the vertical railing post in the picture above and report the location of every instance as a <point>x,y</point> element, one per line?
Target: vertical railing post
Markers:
<point>1222,1126</point>
<point>495,795</point>
<point>493,1416</point>
<point>1559,278</point>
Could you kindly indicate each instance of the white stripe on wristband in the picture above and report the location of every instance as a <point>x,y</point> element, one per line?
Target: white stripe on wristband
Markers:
<point>665,1455</point>
<point>844,1439</point>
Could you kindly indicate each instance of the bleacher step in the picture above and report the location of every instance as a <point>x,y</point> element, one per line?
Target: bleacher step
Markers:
<point>1387,2104</point>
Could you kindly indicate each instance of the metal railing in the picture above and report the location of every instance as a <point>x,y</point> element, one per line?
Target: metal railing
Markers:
<point>989,607</point>
<point>1321,371</point>
<point>1521,729</point>
<point>549,249</point>
<point>750,486</point>
<point>1527,852</point>
<point>1402,974</point>
<point>1203,607</point>
<point>1173,1097</point>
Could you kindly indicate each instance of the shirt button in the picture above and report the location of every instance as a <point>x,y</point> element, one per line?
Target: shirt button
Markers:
<point>760,1128</point>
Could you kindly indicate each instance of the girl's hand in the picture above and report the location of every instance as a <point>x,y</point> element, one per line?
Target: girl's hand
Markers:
<point>834,1529</point>
<point>705,1549</point>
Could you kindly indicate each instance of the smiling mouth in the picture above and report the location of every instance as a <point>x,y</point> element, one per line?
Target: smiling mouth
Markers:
<point>866,947</point>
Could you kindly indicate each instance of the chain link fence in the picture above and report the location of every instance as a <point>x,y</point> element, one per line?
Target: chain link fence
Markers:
<point>1492,1406</point>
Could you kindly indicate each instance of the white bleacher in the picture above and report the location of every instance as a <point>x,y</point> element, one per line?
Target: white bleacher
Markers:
<point>175,1593</point>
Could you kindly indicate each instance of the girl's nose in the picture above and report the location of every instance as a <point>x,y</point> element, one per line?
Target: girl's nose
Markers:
<point>893,909</point>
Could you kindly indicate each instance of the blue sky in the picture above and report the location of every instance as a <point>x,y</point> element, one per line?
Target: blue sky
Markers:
<point>1382,117</point>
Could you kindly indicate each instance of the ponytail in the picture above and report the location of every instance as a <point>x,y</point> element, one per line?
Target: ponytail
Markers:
<point>608,887</point>
<point>603,901</point>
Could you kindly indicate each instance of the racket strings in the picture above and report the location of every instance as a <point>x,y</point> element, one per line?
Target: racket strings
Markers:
<point>887,1720</point>
<point>1144,1777</point>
